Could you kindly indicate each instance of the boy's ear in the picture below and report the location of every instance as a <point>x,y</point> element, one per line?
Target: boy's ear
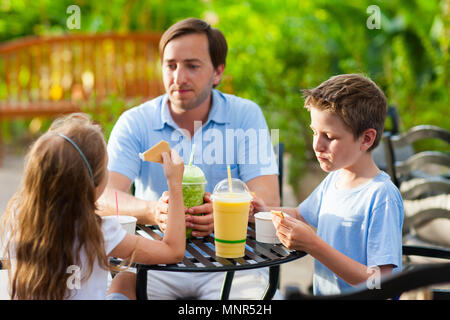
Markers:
<point>368,137</point>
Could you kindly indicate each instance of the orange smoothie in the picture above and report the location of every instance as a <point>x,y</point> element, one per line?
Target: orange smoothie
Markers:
<point>230,223</point>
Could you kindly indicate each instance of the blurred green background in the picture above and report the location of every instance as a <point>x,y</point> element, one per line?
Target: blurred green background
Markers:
<point>276,48</point>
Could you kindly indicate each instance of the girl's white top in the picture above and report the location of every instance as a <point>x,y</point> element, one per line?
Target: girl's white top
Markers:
<point>96,286</point>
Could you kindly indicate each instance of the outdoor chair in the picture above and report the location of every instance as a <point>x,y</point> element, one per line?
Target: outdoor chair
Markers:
<point>392,127</point>
<point>423,180</point>
<point>392,286</point>
<point>279,152</point>
<point>412,167</point>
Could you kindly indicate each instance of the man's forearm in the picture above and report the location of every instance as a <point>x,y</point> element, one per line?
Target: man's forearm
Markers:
<point>266,188</point>
<point>128,204</point>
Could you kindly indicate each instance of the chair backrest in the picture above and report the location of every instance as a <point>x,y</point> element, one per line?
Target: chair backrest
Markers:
<point>279,152</point>
<point>426,194</point>
<point>399,170</point>
<point>421,187</point>
<point>392,126</point>
<point>392,286</point>
<point>394,119</point>
<point>50,75</point>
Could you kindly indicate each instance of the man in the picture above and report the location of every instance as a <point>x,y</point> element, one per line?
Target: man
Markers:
<point>225,129</point>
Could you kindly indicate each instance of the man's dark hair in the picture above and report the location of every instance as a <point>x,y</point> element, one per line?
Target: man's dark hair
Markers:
<point>218,47</point>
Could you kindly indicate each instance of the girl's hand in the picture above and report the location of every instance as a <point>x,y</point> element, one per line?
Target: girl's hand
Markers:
<point>173,166</point>
<point>293,233</point>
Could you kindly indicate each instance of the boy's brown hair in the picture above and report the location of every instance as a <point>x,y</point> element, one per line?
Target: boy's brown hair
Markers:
<point>218,47</point>
<point>357,100</point>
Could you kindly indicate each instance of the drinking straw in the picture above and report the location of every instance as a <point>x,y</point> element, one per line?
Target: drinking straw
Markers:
<point>117,205</point>
<point>191,158</point>
<point>229,178</point>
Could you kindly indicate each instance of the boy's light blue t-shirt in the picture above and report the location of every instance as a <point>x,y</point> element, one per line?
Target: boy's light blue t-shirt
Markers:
<point>364,223</point>
<point>235,133</point>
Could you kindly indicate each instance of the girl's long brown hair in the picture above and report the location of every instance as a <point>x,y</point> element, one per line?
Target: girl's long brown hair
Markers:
<point>51,219</point>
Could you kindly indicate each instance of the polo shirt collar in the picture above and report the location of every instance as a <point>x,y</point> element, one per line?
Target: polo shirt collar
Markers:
<point>218,112</point>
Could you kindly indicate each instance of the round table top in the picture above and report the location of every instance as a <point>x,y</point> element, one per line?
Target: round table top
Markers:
<point>200,254</point>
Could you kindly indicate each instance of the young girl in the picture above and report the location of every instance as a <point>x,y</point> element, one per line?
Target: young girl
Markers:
<point>54,235</point>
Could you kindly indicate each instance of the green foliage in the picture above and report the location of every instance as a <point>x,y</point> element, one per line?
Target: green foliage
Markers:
<point>277,48</point>
<point>106,111</point>
<point>20,18</point>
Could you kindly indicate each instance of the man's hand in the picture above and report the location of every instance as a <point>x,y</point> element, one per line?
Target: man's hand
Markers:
<point>256,205</point>
<point>118,183</point>
<point>200,218</point>
<point>161,211</point>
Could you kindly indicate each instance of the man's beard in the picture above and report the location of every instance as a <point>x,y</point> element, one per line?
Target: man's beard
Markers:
<point>194,102</point>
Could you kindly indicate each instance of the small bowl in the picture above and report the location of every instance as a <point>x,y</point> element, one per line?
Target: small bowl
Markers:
<point>264,228</point>
<point>127,222</point>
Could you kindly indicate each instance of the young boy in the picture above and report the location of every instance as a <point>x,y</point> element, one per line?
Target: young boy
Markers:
<point>357,210</point>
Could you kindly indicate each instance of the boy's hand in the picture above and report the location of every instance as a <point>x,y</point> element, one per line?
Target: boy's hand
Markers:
<point>293,233</point>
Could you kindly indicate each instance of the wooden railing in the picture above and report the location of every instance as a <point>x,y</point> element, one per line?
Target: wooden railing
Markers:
<point>48,76</point>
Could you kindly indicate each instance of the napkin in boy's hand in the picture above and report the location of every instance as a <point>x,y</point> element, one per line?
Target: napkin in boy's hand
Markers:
<point>154,153</point>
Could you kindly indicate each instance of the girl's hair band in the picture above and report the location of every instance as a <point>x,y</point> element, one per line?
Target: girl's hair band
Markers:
<point>81,154</point>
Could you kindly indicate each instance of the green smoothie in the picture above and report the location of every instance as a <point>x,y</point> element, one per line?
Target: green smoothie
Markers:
<point>193,189</point>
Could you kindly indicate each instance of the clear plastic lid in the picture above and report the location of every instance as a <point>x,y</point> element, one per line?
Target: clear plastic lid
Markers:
<point>239,190</point>
<point>193,175</point>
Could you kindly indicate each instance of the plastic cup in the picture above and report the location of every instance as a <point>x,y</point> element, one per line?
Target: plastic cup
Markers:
<point>264,228</point>
<point>194,183</point>
<point>127,222</point>
<point>230,218</point>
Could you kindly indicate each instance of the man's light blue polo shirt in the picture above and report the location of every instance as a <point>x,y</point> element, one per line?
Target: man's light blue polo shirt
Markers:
<point>235,133</point>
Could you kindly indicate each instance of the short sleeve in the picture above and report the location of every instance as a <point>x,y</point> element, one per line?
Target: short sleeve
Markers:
<point>124,146</point>
<point>384,243</point>
<point>256,156</point>
<point>310,207</point>
<point>113,233</point>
